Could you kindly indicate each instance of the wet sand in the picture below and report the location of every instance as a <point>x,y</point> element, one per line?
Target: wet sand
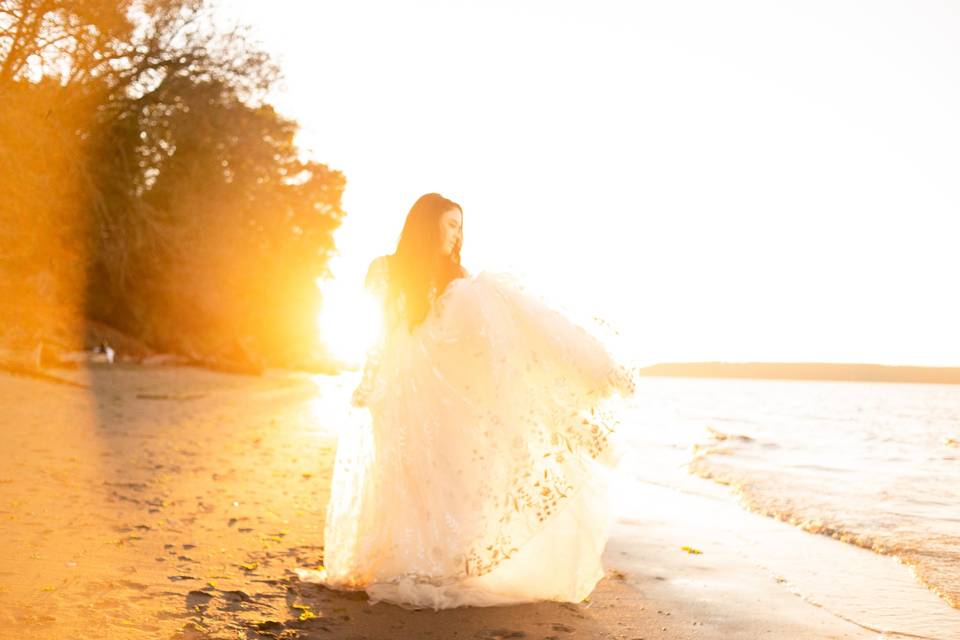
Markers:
<point>175,502</point>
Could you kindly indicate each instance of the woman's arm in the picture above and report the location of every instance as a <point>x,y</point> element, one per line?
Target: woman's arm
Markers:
<point>376,279</point>
<point>376,282</point>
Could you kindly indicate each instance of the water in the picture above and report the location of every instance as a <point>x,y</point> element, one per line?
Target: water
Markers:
<point>873,464</point>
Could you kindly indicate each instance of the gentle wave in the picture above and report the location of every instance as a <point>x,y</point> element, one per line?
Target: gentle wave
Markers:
<point>886,513</point>
<point>873,464</point>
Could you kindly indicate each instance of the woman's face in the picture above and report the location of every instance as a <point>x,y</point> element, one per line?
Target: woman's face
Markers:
<point>451,228</point>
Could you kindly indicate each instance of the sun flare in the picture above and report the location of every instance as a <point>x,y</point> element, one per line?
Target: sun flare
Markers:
<point>349,322</point>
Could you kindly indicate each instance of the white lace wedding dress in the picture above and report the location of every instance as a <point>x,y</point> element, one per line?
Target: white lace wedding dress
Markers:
<point>480,477</point>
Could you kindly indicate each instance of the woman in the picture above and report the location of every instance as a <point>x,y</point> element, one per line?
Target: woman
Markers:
<point>480,477</point>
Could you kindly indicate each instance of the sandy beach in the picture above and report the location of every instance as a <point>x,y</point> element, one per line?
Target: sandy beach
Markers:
<point>164,502</point>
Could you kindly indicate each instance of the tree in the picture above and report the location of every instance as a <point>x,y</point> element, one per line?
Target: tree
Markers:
<point>203,227</point>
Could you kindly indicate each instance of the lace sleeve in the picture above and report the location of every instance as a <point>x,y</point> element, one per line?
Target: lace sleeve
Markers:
<point>370,368</point>
<point>377,277</point>
<point>376,283</point>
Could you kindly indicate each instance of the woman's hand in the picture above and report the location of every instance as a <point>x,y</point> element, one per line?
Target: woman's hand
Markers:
<point>623,380</point>
<point>359,397</point>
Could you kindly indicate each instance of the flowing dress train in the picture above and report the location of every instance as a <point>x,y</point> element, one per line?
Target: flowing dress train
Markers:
<point>481,476</point>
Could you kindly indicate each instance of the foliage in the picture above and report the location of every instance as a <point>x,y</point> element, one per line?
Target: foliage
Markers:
<point>146,175</point>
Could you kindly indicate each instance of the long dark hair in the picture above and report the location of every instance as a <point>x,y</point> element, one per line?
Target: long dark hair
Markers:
<point>417,264</point>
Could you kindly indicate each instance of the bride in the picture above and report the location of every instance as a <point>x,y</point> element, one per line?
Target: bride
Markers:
<point>480,477</point>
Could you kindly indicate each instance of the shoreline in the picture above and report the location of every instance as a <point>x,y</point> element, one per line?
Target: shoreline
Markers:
<point>175,502</point>
<point>766,570</point>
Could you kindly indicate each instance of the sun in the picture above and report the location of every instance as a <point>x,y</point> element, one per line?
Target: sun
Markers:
<point>349,322</point>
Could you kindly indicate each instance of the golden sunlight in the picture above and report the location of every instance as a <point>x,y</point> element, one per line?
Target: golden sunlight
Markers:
<point>348,322</point>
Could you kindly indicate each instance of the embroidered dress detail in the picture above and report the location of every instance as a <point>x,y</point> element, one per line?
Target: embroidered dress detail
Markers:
<point>481,475</point>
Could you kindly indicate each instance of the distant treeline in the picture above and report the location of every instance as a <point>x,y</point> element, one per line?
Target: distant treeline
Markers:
<point>805,371</point>
<point>146,184</point>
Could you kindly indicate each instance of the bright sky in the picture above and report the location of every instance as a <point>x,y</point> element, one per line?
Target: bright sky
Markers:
<point>722,180</point>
